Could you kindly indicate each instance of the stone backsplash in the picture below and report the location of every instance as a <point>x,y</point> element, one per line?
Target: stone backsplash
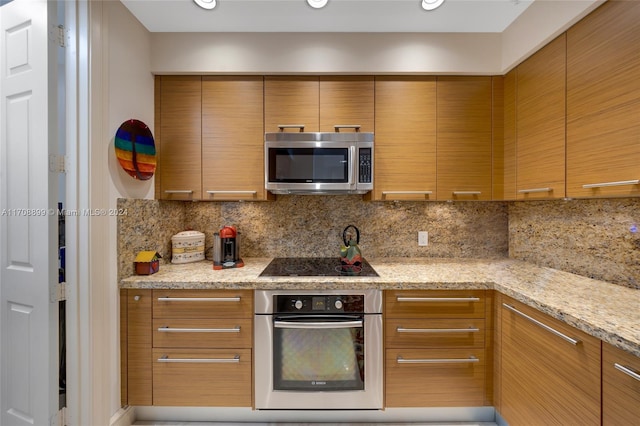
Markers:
<point>594,238</point>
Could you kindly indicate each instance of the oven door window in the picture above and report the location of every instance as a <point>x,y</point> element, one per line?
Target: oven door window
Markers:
<point>318,353</point>
<point>309,165</point>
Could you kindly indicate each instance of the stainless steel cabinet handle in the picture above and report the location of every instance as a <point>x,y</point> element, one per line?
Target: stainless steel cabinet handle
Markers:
<point>533,190</point>
<point>337,127</point>
<point>544,326</point>
<point>290,126</point>
<point>165,358</point>
<point>437,299</point>
<point>168,329</point>
<point>406,192</point>
<point>233,192</point>
<point>618,183</point>
<point>467,192</point>
<point>178,191</point>
<point>401,360</point>
<point>317,325</point>
<point>437,330</point>
<point>627,371</point>
<point>199,299</point>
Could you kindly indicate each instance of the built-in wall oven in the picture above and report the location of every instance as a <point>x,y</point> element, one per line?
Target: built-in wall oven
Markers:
<point>318,349</point>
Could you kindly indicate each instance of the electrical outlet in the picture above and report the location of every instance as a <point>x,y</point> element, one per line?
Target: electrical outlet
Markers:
<point>423,238</point>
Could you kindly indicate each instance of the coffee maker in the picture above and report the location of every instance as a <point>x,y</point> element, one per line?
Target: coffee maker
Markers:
<point>226,248</point>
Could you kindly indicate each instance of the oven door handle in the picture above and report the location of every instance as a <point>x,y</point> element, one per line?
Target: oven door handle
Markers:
<point>309,325</point>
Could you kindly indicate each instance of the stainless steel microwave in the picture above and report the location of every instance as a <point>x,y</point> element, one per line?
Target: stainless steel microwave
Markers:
<point>318,162</point>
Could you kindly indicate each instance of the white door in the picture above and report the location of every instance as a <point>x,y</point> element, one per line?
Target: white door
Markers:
<point>28,223</point>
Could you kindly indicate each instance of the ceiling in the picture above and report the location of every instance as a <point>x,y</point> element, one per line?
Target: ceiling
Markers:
<point>379,16</point>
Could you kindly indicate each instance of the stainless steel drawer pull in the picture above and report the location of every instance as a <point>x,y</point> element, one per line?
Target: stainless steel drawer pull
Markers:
<point>407,192</point>
<point>546,327</point>
<point>178,191</point>
<point>232,192</point>
<point>618,183</point>
<point>317,325</point>
<point>628,371</point>
<point>533,190</point>
<point>467,192</point>
<point>438,299</point>
<point>168,329</point>
<point>165,358</point>
<point>437,330</point>
<point>471,359</point>
<point>290,126</point>
<point>337,127</point>
<point>199,299</point>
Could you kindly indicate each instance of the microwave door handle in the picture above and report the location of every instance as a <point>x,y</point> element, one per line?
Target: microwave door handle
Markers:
<point>317,325</point>
<point>353,172</point>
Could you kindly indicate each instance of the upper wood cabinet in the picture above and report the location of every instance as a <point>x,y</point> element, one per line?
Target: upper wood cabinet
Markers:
<point>291,100</point>
<point>603,102</point>
<point>464,131</point>
<point>232,138</point>
<point>405,138</point>
<point>504,144</point>
<point>178,134</point>
<point>540,123</point>
<point>346,100</point>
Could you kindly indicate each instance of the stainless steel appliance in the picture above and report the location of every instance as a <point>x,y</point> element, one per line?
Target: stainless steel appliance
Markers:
<point>318,349</point>
<point>318,162</point>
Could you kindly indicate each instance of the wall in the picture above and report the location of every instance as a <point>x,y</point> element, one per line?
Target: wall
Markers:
<point>595,238</point>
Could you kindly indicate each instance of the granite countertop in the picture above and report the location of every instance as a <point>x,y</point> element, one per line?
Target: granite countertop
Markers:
<point>607,311</point>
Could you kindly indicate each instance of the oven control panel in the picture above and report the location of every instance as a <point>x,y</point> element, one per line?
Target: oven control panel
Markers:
<point>319,303</point>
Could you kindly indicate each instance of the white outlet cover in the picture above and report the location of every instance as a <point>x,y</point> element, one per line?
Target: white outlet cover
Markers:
<point>423,238</point>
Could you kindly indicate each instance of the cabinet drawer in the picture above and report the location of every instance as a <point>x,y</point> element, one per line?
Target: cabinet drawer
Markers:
<point>435,304</point>
<point>202,377</point>
<point>202,303</point>
<point>202,333</point>
<point>435,377</point>
<point>620,386</point>
<point>434,333</point>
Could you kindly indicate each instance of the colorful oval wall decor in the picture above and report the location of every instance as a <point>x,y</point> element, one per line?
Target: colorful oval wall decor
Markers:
<point>135,149</point>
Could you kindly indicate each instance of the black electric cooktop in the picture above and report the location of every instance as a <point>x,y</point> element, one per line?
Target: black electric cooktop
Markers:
<point>315,267</point>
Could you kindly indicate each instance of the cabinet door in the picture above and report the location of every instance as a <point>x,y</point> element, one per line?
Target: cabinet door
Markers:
<point>232,138</point>
<point>202,303</point>
<point>346,100</point>
<point>547,379</point>
<point>179,122</point>
<point>464,138</point>
<point>603,102</point>
<point>139,367</point>
<point>405,140</point>
<point>620,386</point>
<point>434,333</point>
<point>293,100</point>
<point>434,304</point>
<point>540,123</point>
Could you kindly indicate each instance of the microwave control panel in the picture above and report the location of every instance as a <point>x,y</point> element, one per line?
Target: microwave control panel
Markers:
<point>364,165</point>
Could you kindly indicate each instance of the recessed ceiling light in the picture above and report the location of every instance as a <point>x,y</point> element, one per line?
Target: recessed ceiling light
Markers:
<point>206,4</point>
<point>317,4</point>
<point>431,4</point>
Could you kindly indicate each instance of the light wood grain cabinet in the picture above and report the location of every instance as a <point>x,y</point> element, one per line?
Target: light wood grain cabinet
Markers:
<point>291,100</point>
<point>435,349</point>
<point>179,136</point>
<point>603,102</point>
<point>549,371</point>
<point>405,144</point>
<point>464,137</point>
<point>346,100</point>
<point>233,138</point>
<point>136,367</point>
<point>540,123</point>
<point>620,387</point>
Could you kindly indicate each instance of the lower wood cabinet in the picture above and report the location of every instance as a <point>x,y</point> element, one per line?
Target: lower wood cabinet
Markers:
<point>620,387</point>
<point>550,371</point>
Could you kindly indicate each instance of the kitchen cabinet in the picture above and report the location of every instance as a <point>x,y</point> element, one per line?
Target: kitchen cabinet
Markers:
<point>178,112</point>
<point>291,100</point>
<point>405,138</point>
<point>603,102</point>
<point>436,348</point>
<point>233,138</point>
<point>549,371</point>
<point>620,386</point>
<point>504,141</point>
<point>136,363</point>
<point>346,100</point>
<point>464,132</point>
<point>540,123</point>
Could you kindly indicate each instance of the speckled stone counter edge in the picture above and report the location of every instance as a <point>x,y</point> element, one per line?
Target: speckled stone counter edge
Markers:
<point>606,311</point>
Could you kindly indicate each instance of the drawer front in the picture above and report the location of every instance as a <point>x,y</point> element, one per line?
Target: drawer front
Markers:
<point>202,333</point>
<point>434,304</point>
<point>202,303</point>
<point>620,386</point>
<point>434,333</point>
<point>435,377</point>
<point>206,378</point>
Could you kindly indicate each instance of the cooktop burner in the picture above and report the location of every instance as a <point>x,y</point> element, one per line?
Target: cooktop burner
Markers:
<point>315,267</point>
